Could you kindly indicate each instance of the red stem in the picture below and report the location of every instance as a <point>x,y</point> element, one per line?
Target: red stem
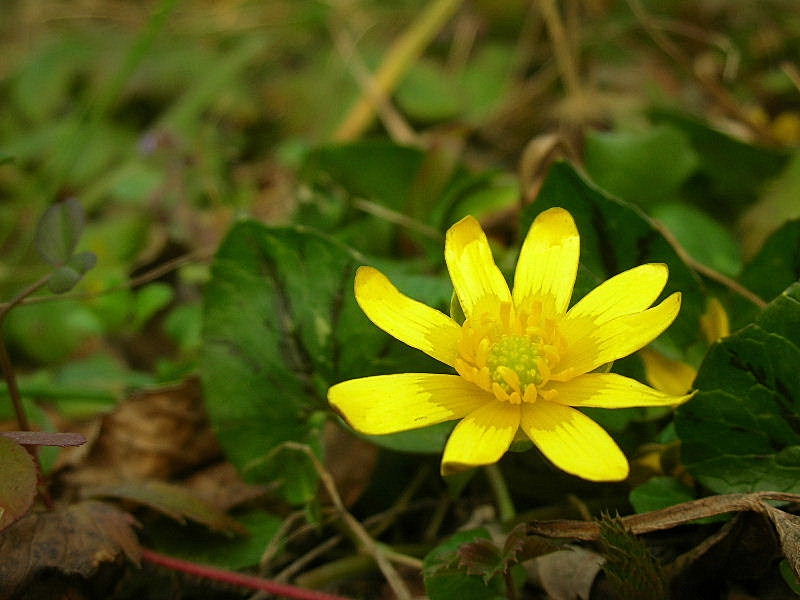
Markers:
<point>234,578</point>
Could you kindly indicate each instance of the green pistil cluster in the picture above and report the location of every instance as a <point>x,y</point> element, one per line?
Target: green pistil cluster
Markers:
<point>520,354</point>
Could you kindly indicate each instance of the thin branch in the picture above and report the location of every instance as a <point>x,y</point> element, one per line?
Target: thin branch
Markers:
<point>707,271</point>
<point>398,128</point>
<point>561,47</point>
<point>398,218</point>
<point>722,96</point>
<point>400,57</point>
<point>360,535</point>
<point>140,280</point>
<point>21,297</point>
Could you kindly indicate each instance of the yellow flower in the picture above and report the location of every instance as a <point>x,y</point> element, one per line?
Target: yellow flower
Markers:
<point>522,359</point>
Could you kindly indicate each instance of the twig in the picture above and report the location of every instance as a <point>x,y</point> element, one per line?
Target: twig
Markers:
<point>726,101</point>
<point>10,375</point>
<point>405,50</point>
<point>561,47</point>
<point>287,573</point>
<point>360,535</point>
<point>792,73</point>
<point>21,297</point>
<point>398,218</point>
<point>666,518</point>
<point>275,543</point>
<point>398,128</point>
<point>144,278</point>
<point>234,578</point>
<point>703,269</point>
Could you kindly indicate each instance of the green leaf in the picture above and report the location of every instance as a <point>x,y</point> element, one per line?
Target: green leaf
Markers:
<point>48,335</point>
<point>63,279</point>
<point>444,580</point>
<point>200,545</point>
<point>268,346</point>
<point>425,94</point>
<point>741,432</point>
<point>172,500</point>
<point>149,300</point>
<point>777,204</point>
<point>728,168</point>
<point>701,236</point>
<point>83,262</point>
<point>643,168</point>
<point>66,277</point>
<point>18,483</point>
<point>658,493</point>
<point>772,270</point>
<point>59,230</point>
<point>376,170</point>
<point>616,236</point>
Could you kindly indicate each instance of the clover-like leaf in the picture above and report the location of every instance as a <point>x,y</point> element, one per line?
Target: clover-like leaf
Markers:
<point>59,230</point>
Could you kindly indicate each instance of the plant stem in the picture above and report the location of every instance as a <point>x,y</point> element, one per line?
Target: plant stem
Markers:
<point>234,578</point>
<point>401,56</point>
<point>13,389</point>
<point>505,505</point>
<point>5,360</point>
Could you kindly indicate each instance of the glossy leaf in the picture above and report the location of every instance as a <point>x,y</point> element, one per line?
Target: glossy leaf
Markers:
<point>741,432</point>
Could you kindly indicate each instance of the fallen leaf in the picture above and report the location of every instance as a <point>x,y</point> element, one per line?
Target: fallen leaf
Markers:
<point>666,518</point>
<point>566,574</point>
<point>350,460</point>
<point>222,486</point>
<point>18,483</point>
<point>73,540</point>
<point>172,500</point>
<point>152,435</point>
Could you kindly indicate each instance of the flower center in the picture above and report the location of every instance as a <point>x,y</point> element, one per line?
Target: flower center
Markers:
<point>510,354</point>
<point>518,358</point>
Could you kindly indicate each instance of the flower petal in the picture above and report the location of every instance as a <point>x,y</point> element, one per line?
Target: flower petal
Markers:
<point>482,437</point>
<point>573,442</point>
<point>609,390</point>
<point>663,373</point>
<point>475,276</point>
<point>411,322</point>
<point>631,291</point>
<point>588,346</point>
<point>548,261</point>
<point>391,403</point>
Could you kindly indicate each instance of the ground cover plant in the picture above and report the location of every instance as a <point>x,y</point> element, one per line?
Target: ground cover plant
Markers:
<point>333,299</point>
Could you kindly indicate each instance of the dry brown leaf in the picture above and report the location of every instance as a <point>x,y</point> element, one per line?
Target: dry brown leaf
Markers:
<point>172,500</point>
<point>566,574</point>
<point>350,461</point>
<point>153,435</point>
<point>74,540</point>
<point>666,518</point>
<point>222,486</point>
